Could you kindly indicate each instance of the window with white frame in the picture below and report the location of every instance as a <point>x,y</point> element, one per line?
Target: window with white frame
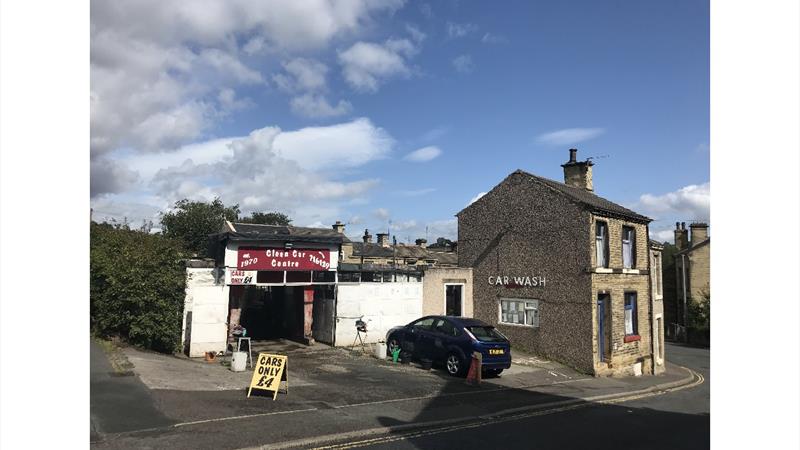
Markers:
<point>628,247</point>
<point>631,325</point>
<point>601,243</point>
<point>519,312</point>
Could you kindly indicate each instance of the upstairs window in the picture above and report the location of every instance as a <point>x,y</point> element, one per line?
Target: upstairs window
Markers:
<point>631,325</point>
<point>657,270</point>
<point>601,243</point>
<point>628,247</point>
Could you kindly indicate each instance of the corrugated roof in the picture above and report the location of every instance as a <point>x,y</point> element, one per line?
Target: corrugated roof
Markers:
<point>580,195</point>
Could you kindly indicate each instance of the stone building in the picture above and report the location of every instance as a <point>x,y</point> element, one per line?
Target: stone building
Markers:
<point>692,266</point>
<point>562,272</point>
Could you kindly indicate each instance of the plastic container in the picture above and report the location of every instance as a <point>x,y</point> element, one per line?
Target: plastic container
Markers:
<point>380,350</point>
<point>239,361</point>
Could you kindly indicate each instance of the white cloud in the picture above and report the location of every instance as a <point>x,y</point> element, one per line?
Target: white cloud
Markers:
<point>424,154</point>
<point>569,136</point>
<point>163,72</point>
<point>457,30</point>
<point>317,106</point>
<point>349,144</point>
<point>463,64</point>
<point>381,213</point>
<point>302,75</point>
<point>489,38</point>
<point>475,199</point>
<point>417,35</point>
<point>366,65</point>
<point>691,202</point>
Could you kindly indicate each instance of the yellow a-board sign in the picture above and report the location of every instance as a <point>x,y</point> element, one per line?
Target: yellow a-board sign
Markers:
<point>270,370</point>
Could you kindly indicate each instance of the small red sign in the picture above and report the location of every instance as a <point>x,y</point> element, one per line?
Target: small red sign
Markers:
<point>284,259</point>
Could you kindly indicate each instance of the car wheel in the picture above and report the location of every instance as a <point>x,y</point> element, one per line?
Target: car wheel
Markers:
<point>455,365</point>
<point>391,346</point>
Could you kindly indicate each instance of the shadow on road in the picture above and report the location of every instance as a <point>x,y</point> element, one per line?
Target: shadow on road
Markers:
<point>575,425</point>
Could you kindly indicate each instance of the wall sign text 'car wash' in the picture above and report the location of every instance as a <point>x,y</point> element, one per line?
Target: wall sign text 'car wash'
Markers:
<point>283,259</point>
<point>517,282</point>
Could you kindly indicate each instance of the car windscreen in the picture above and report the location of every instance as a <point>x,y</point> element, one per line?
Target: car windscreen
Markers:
<point>486,334</point>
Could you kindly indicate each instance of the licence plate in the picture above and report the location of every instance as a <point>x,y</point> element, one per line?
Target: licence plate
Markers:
<point>496,351</point>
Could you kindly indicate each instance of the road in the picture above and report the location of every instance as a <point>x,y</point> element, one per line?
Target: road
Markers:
<point>672,420</point>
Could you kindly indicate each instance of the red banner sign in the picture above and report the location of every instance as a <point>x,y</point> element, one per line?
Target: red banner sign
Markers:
<point>284,259</point>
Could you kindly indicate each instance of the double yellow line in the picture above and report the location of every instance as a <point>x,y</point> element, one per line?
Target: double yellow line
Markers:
<point>699,379</point>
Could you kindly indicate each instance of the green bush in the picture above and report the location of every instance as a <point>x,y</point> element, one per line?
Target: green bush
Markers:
<point>137,287</point>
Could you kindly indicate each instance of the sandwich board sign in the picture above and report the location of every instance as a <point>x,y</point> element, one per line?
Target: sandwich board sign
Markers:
<point>270,370</point>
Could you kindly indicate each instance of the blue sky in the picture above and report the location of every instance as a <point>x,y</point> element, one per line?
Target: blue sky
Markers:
<point>371,112</point>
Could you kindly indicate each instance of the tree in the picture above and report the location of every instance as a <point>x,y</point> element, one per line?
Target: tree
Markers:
<point>137,286</point>
<point>191,222</point>
<point>269,218</point>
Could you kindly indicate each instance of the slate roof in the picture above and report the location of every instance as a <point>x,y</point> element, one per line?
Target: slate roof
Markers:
<point>280,233</point>
<point>580,195</point>
<point>371,250</point>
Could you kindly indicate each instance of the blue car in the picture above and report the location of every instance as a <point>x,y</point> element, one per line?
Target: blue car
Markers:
<point>451,341</point>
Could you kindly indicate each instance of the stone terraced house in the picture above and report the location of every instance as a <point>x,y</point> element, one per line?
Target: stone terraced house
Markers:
<point>564,273</point>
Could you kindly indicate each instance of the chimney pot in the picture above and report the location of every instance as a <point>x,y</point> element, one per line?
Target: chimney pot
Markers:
<point>573,155</point>
<point>367,237</point>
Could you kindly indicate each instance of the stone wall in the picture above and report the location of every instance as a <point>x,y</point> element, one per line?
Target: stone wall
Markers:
<point>524,228</point>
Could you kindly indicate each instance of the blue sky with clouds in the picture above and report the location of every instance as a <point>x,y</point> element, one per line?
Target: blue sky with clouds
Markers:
<point>370,111</point>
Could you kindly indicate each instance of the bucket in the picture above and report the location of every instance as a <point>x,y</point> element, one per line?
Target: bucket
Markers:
<point>380,350</point>
<point>239,361</point>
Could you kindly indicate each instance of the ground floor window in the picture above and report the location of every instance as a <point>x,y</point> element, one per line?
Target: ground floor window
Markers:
<point>631,325</point>
<point>519,311</point>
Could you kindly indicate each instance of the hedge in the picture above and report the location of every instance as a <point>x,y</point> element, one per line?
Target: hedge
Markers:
<point>137,287</point>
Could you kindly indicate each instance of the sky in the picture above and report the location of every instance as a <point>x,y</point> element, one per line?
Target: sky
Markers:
<point>395,115</point>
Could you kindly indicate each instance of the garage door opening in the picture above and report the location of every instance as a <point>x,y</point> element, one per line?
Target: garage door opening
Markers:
<point>297,313</point>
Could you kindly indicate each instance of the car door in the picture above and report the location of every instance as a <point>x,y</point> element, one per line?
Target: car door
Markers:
<point>441,338</point>
<point>415,340</point>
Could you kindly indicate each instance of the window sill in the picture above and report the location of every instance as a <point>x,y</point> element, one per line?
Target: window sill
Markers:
<point>632,338</point>
<point>519,325</point>
<point>631,271</point>
<point>603,270</point>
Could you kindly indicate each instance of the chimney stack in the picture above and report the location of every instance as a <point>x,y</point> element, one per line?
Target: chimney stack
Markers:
<point>422,243</point>
<point>578,173</point>
<point>699,232</point>
<point>338,227</point>
<point>383,239</point>
<point>367,237</point>
<point>681,236</point>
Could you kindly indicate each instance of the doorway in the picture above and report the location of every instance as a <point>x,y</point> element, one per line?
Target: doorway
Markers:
<point>604,327</point>
<point>453,299</point>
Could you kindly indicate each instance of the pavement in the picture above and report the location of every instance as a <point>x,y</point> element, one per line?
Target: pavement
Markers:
<point>333,393</point>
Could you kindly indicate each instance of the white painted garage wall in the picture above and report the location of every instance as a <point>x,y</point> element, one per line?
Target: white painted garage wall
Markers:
<point>383,305</point>
<point>207,306</point>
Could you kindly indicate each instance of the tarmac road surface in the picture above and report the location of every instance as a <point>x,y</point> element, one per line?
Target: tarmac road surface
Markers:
<point>679,419</point>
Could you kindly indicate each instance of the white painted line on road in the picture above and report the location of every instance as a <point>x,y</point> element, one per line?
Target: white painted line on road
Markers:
<point>221,419</point>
